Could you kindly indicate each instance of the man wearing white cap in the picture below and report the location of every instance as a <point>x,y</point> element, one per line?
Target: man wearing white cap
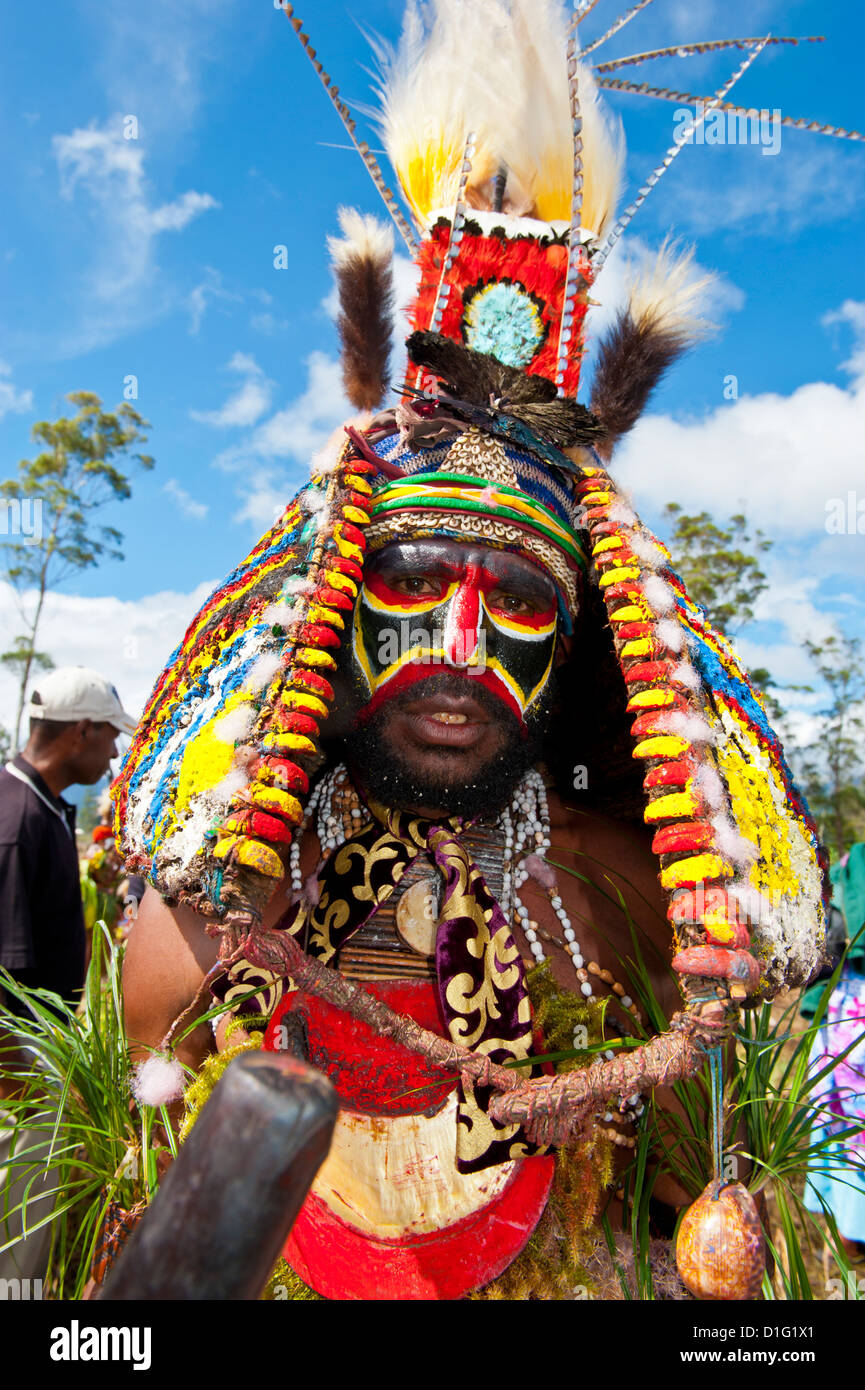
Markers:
<point>75,717</point>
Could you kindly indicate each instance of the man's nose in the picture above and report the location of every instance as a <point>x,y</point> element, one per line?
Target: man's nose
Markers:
<point>462,624</point>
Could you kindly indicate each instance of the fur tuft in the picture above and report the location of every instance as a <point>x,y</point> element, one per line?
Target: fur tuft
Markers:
<point>666,295</point>
<point>363,264</point>
<point>660,322</point>
<point>498,68</point>
<point>363,238</point>
<point>482,380</point>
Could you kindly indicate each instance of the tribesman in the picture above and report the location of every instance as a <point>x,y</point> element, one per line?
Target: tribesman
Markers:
<point>452,750</point>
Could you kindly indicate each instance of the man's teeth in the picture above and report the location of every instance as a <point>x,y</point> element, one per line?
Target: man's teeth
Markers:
<point>444,718</point>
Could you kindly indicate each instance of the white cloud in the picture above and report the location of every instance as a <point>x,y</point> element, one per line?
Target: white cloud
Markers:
<point>781,460</point>
<point>170,43</point>
<point>805,185</point>
<point>110,171</point>
<point>852,312</point>
<point>301,428</point>
<point>11,398</point>
<point>188,505</point>
<point>247,404</point>
<point>129,641</point>
<point>265,497</point>
<point>173,217</point>
<point>268,324</point>
<point>199,297</point>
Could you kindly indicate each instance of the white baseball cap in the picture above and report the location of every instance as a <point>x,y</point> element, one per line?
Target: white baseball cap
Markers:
<point>75,692</point>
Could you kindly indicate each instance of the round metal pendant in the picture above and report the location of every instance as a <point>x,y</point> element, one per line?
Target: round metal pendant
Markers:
<point>417,916</point>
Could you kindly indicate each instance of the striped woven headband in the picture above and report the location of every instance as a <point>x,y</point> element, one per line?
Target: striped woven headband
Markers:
<point>443,492</point>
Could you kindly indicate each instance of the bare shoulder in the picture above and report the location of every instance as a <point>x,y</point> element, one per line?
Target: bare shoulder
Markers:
<point>613,856</point>
<point>608,879</point>
<point>167,956</point>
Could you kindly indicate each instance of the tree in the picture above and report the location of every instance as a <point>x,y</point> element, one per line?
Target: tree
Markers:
<point>88,811</point>
<point>831,765</point>
<point>719,565</point>
<point>72,479</point>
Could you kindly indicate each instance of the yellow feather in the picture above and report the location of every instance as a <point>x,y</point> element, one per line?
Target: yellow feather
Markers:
<point>498,68</point>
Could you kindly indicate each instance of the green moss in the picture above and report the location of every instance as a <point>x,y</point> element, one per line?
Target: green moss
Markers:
<point>197,1095</point>
<point>552,1266</point>
<point>284,1286</point>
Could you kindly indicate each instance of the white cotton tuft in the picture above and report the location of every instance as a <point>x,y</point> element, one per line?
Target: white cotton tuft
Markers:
<point>237,780</point>
<point>670,633</point>
<point>311,890</point>
<point>296,584</point>
<point>710,786</point>
<point>660,595</point>
<point>262,672</point>
<point>690,726</point>
<point>622,513</point>
<point>731,843</point>
<point>158,1081</point>
<point>647,550</point>
<point>326,459</point>
<point>684,674</point>
<point>313,500</point>
<point>236,725</point>
<point>283,614</point>
<point>540,870</point>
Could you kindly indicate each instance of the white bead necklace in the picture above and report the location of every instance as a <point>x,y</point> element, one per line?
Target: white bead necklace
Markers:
<point>525,829</point>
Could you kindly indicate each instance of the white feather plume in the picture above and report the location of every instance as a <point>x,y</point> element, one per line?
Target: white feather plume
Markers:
<point>498,68</point>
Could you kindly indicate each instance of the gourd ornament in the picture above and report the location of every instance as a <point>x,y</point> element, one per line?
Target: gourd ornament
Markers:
<point>720,1250</point>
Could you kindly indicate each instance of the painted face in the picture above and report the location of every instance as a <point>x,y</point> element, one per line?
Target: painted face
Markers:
<point>433,606</point>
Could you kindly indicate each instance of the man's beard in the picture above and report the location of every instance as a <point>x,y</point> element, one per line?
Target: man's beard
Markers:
<point>386,774</point>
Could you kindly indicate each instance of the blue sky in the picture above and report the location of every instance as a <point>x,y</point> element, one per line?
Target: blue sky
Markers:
<point>153,257</point>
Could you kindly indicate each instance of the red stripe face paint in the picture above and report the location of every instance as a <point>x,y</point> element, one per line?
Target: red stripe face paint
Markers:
<point>442,604</point>
<point>463,620</point>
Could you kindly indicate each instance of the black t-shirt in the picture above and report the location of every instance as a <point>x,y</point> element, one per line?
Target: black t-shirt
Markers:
<point>42,939</point>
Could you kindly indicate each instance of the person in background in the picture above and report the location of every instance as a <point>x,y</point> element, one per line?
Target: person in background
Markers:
<point>106,889</point>
<point>75,717</point>
<point>839,1177</point>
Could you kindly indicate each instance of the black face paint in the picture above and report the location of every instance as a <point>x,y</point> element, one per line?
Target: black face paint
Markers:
<point>438,604</point>
<point>445,730</point>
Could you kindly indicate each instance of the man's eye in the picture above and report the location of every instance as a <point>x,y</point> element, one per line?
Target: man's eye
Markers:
<point>514,604</point>
<point>416,586</point>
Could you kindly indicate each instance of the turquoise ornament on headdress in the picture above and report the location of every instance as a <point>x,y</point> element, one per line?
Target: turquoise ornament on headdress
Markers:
<point>504,321</point>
